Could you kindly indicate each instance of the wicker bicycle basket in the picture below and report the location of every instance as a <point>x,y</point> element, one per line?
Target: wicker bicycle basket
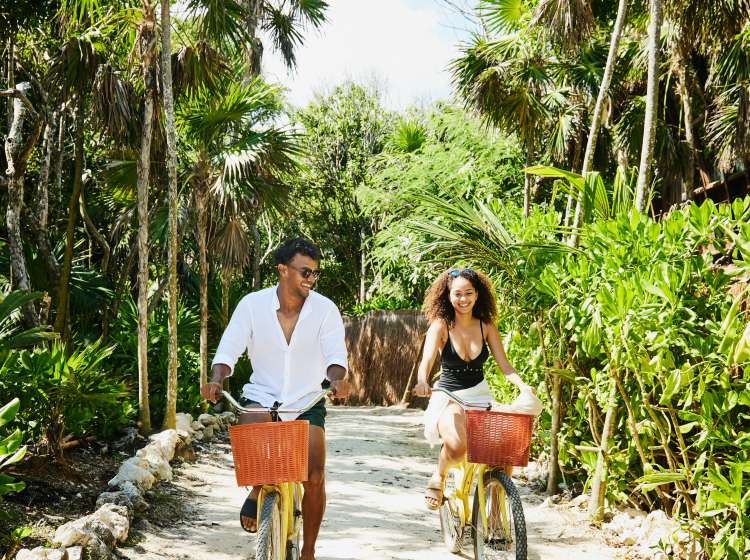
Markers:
<point>270,452</point>
<point>498,438</point>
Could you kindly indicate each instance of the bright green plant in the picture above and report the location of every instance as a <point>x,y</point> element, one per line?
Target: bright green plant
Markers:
<point>11,450</point>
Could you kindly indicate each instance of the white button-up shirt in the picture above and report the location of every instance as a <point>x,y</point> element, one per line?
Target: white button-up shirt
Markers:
<point>283,372</point>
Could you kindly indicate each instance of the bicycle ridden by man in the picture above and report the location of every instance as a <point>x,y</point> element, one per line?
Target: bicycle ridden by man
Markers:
<point>294,338</point>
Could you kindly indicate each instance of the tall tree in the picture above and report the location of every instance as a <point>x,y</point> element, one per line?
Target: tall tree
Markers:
<point>596,118</point>
<point>652,105</point>
<point>147,51</point>
<point>17,152</point>
<point>171,134</point>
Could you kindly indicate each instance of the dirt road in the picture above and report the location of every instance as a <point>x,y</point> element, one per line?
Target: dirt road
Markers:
<point>378,464</point>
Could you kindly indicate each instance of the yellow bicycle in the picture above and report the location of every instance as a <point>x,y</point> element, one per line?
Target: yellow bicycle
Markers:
<point>273,455</point>
<point>495,523</point>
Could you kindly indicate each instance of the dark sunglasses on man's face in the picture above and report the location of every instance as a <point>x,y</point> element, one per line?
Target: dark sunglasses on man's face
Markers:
<point>306,272</point>
<point>456,272</point>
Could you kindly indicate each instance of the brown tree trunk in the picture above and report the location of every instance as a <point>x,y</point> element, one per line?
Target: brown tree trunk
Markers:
<point>596,119</point>
<point>201,205</point>
<point>254,49</point>
<point>17,152</point>
<point>41,211</point>
<point>652,106</point>
<point>63,293</point>
<point>147,51</point>
<point>554,430</point>
<point>171,132</point>
<point>527,177</point>
<point>94,232</point>
<point>687,114</point>
<point>599,481</point>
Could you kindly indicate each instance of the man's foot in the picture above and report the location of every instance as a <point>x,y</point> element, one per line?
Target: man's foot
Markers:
<point>433,495</point>
<point>249,512</point>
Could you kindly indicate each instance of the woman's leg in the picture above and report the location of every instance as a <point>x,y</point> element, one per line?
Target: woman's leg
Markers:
<point>452,429</point>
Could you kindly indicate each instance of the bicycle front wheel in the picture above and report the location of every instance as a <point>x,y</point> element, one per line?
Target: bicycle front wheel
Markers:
<point>270,544</point>
<point>504,536</point>
<point>450,515</point>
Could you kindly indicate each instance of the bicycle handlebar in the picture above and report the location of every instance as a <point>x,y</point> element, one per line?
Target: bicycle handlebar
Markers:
<point>462,403</point>
<point>317,396</point>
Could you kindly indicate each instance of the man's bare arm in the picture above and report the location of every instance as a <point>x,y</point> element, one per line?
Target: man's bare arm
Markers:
<point>211,391</point>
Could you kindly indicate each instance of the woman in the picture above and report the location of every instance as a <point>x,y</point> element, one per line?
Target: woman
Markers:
<point>460,307</point>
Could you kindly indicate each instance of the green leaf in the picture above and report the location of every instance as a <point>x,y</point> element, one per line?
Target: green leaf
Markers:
<point>652,480</point>
<point>8,411</point>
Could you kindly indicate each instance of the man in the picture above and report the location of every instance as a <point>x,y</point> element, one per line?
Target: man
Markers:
<point>294,338</point>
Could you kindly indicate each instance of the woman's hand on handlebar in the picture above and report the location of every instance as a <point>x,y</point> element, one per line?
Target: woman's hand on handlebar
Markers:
<point>211,391</point>
<point>422,389</point>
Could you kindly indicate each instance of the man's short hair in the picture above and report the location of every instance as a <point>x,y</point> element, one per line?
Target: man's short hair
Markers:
<point>297,246</point>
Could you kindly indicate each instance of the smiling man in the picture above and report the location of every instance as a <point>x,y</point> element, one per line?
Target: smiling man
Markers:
<point>294,338</point>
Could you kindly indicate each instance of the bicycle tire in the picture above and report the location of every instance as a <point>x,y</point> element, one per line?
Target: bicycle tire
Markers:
<point>450,524</point>
<point>500,545</point>
<point>270,544</point>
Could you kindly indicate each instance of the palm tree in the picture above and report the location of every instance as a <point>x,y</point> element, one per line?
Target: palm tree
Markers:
<point>235,158</point>
<point>596,118</point>
<point>147,51</point>
<point>652,105</point>
<point>171,134</point>
<point>505,80</point>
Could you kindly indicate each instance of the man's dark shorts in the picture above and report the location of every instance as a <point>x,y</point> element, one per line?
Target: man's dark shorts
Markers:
<point>316,415</point>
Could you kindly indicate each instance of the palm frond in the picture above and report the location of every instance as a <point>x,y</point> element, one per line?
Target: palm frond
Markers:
<point>220,21</point>
<point>502,16</point>
<point>310,12</point>
<point>284,31</point>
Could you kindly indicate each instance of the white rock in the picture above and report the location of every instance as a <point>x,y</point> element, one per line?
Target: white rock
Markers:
<point>95,549</point>
<point>197,426</point>
<point>118,498</point>
<point>628,537</point>
<point>74,552</point>
<point>656,527</point>
<point>135,495</point>
<point>157,465</point>
<point>82,530</point>
<point>207,419</point>
<point>134,470</point>
<point>116,518</point>
<point>168,440</point>
<point>229,417</point>
<point>41,553</point>
<point>579,501</point>
<point>208,433</point>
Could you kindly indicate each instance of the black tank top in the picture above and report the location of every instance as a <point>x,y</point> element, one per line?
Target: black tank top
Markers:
<point>457,373</point>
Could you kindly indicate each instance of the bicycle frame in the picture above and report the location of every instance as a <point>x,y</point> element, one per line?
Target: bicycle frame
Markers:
<point>467,472</point>
<point>290,522</point>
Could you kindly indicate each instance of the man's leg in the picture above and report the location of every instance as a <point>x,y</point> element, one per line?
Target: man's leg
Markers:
<point>314,501</point>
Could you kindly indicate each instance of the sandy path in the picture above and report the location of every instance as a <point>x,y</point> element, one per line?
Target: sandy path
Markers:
<point>377,466</point>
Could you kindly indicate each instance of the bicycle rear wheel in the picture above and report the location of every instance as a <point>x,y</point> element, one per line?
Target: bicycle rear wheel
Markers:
<point>270,543</point>
<point>504,538</point>
<point>450,517</point>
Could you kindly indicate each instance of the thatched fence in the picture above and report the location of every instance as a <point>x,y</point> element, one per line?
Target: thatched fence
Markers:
<point>384,350</point>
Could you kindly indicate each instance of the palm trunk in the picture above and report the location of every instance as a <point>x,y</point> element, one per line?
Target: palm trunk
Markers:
<point>17,153</point>
<point>95,233</point>
<point>362,265</point>
<point>687,114</point>
<point>201,205</point>
<point>148,44</point>
<point>171,132</point>
<point>527,177</point>
<point>596,119</point>
<point>554,429</point>
<point>41,212</point>
<point>254,49</point>
<point>256,253</point>
<point>599,482</point>
<point>63,292</point>
<point>652,105</point>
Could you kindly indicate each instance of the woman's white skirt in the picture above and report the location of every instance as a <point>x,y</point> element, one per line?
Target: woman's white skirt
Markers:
<point>479,394</point>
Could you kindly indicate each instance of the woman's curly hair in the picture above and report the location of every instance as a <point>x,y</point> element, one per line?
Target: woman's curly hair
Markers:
<point>437,303</point>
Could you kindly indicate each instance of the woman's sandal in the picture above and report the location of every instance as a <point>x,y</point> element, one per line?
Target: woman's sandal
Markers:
<point>249,510</point>
<point>434,493</point>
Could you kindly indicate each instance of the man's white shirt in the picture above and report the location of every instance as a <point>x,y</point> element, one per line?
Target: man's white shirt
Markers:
<point>283,372</point>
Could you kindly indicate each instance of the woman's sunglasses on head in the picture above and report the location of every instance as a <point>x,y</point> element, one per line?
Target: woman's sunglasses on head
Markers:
<point>456,272</point>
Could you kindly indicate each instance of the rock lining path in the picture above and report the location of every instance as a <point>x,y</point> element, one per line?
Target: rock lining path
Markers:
<point>377,466</point>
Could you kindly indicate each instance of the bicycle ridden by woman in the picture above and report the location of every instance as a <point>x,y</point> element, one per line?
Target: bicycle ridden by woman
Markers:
<point>461,310</point>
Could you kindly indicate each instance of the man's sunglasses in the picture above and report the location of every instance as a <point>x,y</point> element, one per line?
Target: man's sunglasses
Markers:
<point>306,272</point>
<point>456,272</point>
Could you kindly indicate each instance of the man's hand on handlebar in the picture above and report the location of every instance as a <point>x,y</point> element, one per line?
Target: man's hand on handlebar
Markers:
<point>211,391</point>
<point>340,388</point>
